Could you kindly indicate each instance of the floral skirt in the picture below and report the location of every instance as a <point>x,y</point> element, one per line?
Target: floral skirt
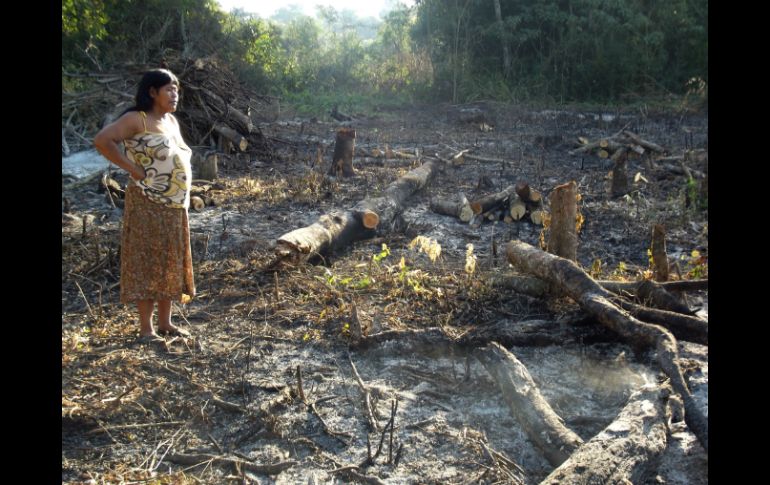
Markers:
<point>155,255</point>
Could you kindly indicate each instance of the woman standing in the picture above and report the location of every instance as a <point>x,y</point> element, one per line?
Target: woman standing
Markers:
<point>156,260</point>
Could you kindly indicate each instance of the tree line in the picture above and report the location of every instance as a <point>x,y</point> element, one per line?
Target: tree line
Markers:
<point>441,50</point>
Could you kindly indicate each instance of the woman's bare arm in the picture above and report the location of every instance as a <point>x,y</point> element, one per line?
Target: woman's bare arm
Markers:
<point>108,139</point>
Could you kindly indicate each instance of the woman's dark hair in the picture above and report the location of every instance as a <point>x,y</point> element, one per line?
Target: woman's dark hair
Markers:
<point>157,78</point>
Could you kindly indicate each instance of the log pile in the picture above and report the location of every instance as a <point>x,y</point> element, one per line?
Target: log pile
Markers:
<point>215,108</point>
<point>514,203</point>
<point>616,146</point>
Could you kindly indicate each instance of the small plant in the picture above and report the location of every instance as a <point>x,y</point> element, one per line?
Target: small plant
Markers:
<point>376,258</point>
<point>596,269</point>
<point>428,246</point>
<point>697,265</point>
<point>470,260</point>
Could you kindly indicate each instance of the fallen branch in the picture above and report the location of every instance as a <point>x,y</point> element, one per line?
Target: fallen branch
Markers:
<point>597,301</point>
<point>543,426</point>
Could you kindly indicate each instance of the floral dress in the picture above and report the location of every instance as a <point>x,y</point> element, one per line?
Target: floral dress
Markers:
<point>156,258</point>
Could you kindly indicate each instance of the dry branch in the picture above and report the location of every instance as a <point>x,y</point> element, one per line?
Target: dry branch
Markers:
<point>597,301</point>
<point>202,458</point>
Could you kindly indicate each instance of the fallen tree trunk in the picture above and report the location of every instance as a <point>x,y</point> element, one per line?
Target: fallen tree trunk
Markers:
<point>626,451</point>
<point>457,206</point>
<point>683,326</point>
<point>594,299</point>
<point>543,426</point>
<point>338,229</point>
<point>650,293</point>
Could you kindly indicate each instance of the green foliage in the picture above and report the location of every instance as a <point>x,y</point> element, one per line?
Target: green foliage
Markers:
<point>578,50</point>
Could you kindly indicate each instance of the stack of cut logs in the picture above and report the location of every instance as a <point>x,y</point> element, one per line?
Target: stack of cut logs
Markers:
<point>509,205</point>
<point>622,143</point>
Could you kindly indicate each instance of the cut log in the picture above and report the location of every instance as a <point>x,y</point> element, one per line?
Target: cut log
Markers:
<point>516,208</point>
<point>232,136</point>
<point>542,425</point>
<point>229,112</point>
<point>659,255</point>
<point>523,191</point>
<point>492,201</point>
<point>457,206</point>
<point>575,283</point>
<point>644,143</point>
<point>562,240</point>
<point>530,196</point>
<point>626,451</point>
<point>538,217</point>
<point>344,146</point>
<point>336,230</point>
<point>197,203</point>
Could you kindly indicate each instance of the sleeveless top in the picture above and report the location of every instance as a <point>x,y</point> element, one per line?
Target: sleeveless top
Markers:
<point>166,161</point>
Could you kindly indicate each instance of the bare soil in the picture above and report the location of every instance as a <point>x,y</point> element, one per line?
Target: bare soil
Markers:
<point>129,410</point>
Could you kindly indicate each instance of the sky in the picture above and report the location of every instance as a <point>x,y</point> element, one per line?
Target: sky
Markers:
<point>266,8</point>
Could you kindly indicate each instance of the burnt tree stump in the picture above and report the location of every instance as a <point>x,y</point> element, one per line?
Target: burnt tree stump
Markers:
<point>342,160</point>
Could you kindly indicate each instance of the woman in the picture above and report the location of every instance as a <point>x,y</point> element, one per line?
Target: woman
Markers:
<point>156,260</point>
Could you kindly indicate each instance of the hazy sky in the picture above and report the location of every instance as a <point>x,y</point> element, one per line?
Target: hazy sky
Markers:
<point>266,8</point>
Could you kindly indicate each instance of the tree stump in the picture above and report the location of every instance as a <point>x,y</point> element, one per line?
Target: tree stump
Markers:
<point>659,256</point>
<point>619,173</point>
<point>206,167</point>
<point>342,160</point>
<point>563,235</point>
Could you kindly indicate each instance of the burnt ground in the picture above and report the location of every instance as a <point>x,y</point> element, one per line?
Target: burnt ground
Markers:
<point>128,409</point>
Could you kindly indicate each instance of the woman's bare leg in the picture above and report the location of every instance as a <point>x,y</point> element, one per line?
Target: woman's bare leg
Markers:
<point>164,316</point>
<point>145,316</point>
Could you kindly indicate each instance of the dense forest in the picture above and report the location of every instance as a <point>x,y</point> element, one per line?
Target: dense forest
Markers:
<point>554,51</point>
